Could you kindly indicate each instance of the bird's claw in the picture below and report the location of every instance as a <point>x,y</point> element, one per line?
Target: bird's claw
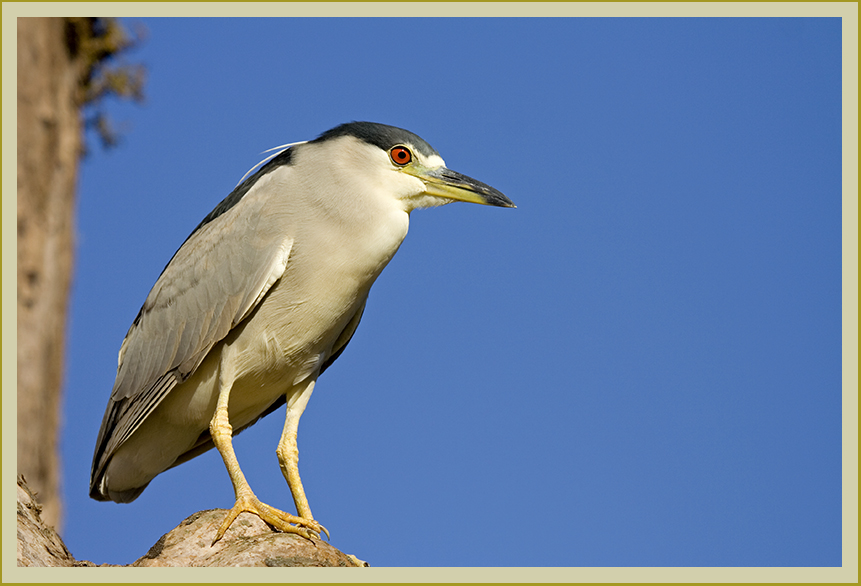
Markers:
<point>278,520</point>
<point>320,529</point>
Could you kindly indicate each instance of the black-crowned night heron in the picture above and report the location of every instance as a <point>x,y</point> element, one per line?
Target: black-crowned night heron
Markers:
<point>260,299</point>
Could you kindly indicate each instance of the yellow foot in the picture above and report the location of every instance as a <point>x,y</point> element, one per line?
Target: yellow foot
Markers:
<point>280,520</point>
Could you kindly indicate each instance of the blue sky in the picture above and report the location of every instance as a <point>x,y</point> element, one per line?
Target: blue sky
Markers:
<point>639,366</point>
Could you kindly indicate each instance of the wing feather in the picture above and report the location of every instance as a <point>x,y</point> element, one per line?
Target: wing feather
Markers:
<point>213,282</point>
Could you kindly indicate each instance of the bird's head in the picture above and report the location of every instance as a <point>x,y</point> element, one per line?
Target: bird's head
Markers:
<point>404,166</point>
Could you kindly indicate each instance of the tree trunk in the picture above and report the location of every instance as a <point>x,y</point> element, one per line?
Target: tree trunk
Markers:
<point>64,64</point>
<point>49,146</point>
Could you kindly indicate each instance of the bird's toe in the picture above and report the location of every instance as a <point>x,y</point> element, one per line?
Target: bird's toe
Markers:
<point>275,518</point>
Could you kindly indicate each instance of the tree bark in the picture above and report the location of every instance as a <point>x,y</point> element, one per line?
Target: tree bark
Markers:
<point>49,146</point>
<point>64,64</point>
<point>38,544</point>
<point>248,543</point>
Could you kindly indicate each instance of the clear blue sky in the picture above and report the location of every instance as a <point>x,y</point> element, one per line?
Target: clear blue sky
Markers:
<point>639,366</point>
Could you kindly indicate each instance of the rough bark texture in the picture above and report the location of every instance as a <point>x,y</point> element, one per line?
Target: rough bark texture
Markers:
<point>38,544</point>
<point>49,146</point>
<point>248,543</point>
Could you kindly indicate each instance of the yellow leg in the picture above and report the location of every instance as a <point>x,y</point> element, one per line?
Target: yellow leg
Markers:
<point>288,451</point>
<point>246,501</point>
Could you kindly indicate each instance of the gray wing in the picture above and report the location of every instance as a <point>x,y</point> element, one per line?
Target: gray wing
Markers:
<point>216,278</point>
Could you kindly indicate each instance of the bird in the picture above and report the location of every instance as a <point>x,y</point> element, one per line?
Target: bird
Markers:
<point>261,298</point>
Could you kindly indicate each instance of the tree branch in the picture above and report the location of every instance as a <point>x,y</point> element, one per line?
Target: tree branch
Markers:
<point>248,543</point>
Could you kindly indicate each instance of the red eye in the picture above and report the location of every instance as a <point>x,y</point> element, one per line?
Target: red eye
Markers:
<point>400,155</point>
